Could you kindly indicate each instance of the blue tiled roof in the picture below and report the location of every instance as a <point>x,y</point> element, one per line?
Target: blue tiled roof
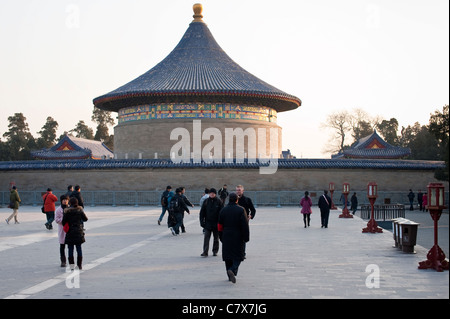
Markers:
<point>162,163</point>
<point>197,70</point>
<point>82,149</point>
<point>361,149</point>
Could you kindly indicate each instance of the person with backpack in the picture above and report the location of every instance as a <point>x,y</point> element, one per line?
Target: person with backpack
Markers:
<point>177,207</point>
<point>166,196</point>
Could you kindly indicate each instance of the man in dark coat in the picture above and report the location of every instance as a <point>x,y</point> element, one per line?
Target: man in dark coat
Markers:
<point>209,216</point>
<point>77,194</point>
<point>411,199</point>
<point>177,206</point>
<point>325,206</point>
<point>233,233</point>
<point>245,202</point>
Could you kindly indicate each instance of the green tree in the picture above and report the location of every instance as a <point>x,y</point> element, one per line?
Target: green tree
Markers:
<point>439,127</point>
<point>83,131</point>
<point>388,130</point>
<point>363,129</point>
<point>47,134</point>
<point>408,133</point>
<point>424,145</point>
<point>19,140</point>
<point>4,154</point>
<point>361,124</point>
<point>103,120</point>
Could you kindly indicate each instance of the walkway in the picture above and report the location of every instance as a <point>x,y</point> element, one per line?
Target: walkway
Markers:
<point>127,255</point>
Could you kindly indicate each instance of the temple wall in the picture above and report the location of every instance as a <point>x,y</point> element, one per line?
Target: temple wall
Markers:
<point>199,178</point>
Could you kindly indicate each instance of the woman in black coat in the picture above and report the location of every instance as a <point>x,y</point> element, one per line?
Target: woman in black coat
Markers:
<point>74,216</point>
<point>233,233</point>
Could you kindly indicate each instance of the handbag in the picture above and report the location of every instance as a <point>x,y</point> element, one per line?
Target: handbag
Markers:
<point>42,208</point>
<point>11,205</point>
<point>66,227</point>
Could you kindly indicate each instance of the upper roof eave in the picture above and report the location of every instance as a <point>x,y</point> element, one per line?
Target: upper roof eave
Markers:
<point>197,67</point>
<point>116,102</point>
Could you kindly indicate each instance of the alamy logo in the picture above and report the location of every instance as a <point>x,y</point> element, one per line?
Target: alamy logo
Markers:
<point>73,278</point>
<point>212,151</point>
<point>373,279</point>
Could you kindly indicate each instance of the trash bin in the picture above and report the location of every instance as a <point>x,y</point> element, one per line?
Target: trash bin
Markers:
<point>395,231</point>
<point>409,235</point>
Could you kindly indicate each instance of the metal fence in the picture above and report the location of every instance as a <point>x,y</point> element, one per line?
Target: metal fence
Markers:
<point>383,212</point>
<point>152,198</point>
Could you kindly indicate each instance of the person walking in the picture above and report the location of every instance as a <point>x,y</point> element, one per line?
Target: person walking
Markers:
<point>233,233</point>
<point>411,199</point>
<point>49,207</point>
<point>425,202</point>
<point>205,196</point>
<point>420,199</point>
<point>223,193</point>
<point>166,196</point>
<point>177,206</point>
<point>324,206</point>
<point>306,204</point>
<point>188,203</point>
<point>77,194</point>
<point>354,203</point>
<point>64,200</point>
<point>69,191</point>
<point>245,202</point>
<point>14,203</point>
<point>74,216</point>
<point>209,216</point>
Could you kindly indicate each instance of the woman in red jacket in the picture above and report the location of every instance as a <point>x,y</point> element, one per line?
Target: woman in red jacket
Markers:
<point>49,207</point>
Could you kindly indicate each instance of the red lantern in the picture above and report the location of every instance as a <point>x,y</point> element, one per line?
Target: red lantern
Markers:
<point>435,257</point>
<point>372,226</point>
<point>331,189</point>
<point>345,191</point>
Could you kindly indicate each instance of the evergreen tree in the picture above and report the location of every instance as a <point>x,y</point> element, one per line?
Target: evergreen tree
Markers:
<point>47,134</point>
<point>103,120</point>
<point>83,131</point>
<point>19,140</point>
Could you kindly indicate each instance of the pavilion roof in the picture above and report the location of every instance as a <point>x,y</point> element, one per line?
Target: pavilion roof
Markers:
<point>197,70</point>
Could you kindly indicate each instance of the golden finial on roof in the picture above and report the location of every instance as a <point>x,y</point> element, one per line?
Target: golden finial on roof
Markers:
<point>198,8</point>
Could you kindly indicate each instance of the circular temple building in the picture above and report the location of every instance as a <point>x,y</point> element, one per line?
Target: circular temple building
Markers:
<point>195,103</point>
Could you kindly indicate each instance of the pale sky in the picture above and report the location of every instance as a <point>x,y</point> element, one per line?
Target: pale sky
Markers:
<point>387,57</point>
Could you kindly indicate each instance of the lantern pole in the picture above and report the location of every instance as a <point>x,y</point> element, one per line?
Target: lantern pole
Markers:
<point>435,257</point>
<point>345,191</point>
<point>372,226</point>
<point>331,189</point>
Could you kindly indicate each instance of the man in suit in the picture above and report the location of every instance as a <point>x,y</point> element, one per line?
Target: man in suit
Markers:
<point>325,206</point>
